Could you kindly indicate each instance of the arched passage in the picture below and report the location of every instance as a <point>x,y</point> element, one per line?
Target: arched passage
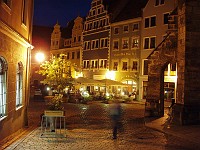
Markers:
<point>159,62</point>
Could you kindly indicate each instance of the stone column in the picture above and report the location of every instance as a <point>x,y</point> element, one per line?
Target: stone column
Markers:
<point>188,63</point>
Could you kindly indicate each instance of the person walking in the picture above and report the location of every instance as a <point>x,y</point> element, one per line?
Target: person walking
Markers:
<point>115,113</point>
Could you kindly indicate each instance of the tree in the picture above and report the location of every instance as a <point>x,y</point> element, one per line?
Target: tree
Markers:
<point>58,72</point>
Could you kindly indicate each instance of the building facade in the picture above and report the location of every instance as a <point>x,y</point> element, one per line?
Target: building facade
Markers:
<point>117,38</point>
<point>15,49</point>
<point>68,41</point>
<point>125,45</point>
<point>154,30</point>
<point>96,35</point>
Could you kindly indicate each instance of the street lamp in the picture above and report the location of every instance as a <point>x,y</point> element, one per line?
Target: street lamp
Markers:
<point>40,57</point>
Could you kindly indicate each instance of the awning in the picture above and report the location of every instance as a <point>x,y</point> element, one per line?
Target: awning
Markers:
<point>108,82</point>
<point>87,82</point>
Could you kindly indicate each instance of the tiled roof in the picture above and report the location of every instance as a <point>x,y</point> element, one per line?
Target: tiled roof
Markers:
<point>125,9</point>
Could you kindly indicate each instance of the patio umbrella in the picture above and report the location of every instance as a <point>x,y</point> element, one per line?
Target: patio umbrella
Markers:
<point>87,81</point>
<point>109,82</point>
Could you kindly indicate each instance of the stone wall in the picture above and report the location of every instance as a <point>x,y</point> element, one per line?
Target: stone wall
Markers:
<point>13,52</point>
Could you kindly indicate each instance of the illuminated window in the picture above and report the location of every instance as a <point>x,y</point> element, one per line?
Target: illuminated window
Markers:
<point>124,66</point>
<point>115,66</point>
<point>19,85</point>
<point>135,42</point>
<point>86,64</point>
<point>94,63</point>
<point>124,43</point>
<point>135,65</point>
<point>103,63</point>
<point>3,87</point>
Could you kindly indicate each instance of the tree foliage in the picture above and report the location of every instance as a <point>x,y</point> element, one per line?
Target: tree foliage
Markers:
<point>57,72</point>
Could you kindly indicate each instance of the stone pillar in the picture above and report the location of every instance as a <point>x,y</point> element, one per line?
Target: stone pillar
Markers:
<point>187,108</point>
<point>154,103</point>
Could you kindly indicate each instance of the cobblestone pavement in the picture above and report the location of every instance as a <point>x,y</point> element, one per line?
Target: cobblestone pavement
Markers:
<point>89,128</point>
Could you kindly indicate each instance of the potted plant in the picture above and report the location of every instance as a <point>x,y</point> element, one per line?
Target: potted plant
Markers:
<point>55,106</point>
<point>55,109</point>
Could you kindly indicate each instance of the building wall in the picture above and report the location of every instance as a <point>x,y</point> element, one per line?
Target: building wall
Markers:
<point>72,47</point>
<point>127,55</point>
<point>15,47</point>
<point>96,28</point>
<point>158,31</point>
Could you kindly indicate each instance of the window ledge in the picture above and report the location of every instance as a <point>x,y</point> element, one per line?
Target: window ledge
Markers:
<point>2,118</point>
<point>19,107</point>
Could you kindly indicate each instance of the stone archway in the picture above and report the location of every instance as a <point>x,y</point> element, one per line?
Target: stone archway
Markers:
<point>181,47</point>
<point>164,54</point>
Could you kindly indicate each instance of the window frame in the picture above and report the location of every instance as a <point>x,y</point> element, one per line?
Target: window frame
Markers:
<point>19,85</point>
<point>122,65</point>
<point>165,18</point>
<point>114,68</point>
<point>116,30</point>
<point>135,29</point>
<point>132,65</point>
<point>148,45</point>
<point>116,49</point>
<point>124,28</point>
<point>149,22</point>
<point>94,64</point>
<point>125,48</point>
<point>103,63</point>
<point>105,43</point>
<point>133,43</point>
<point>24,11</point>
<point>3,88</point>
<point>144,67</point>
<point>86,64</point>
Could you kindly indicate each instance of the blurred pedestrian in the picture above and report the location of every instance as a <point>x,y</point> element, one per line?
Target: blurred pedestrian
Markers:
<point>115,113</point>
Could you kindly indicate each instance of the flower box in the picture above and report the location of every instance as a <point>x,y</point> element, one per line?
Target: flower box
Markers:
<point>54,113</point>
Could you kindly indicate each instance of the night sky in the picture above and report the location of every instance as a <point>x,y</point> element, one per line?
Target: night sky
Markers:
<point>48,12</point>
